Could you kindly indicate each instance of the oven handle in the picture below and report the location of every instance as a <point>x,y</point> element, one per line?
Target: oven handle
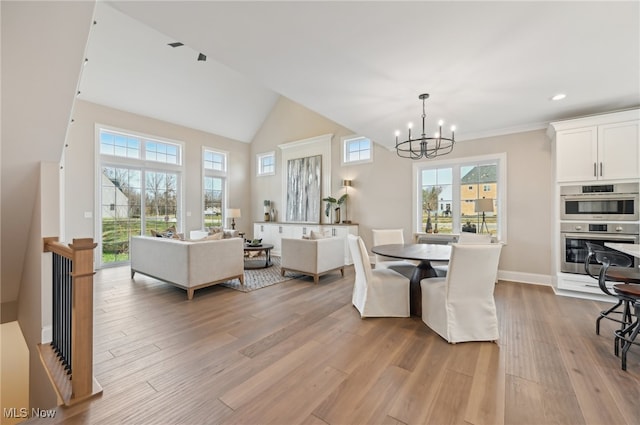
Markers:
<point>600,197</point>
<point>609,237</point>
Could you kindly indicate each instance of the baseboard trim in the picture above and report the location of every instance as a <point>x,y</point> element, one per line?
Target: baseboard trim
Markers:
<point>529,278</point>
<point>46,334</point>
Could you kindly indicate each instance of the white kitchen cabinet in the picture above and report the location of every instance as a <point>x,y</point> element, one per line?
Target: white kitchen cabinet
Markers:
<point>609,149</point>
<point>272,233</point>
<point>619,150</point>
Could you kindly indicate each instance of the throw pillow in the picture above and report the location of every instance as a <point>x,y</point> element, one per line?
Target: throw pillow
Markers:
<point>317,235</point>
<point>215,237</point>
<point>213,230</point>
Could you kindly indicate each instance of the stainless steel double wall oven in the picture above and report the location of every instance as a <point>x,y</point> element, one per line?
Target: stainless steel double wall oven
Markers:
<point>597,214</point>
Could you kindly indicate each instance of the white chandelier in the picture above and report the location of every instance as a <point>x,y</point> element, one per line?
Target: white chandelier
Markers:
<point>423,146</point>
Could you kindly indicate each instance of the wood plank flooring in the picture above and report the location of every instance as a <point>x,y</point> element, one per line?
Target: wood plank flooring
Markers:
<point>298,353</point>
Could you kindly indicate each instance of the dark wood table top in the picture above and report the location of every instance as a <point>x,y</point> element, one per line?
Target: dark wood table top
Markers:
<point>264,246</point>
<point>421,251</point>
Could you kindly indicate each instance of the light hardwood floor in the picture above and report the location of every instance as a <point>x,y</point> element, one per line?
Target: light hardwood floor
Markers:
<point>298,353</point>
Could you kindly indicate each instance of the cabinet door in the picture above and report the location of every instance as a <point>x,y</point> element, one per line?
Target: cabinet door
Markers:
<point>576,154</point>
<point>258,231</point>
<point>619,151</point>
<point>342,232</point>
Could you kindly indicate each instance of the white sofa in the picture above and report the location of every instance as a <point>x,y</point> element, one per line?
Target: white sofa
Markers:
<point>312,257</point>
<point>188,264</point>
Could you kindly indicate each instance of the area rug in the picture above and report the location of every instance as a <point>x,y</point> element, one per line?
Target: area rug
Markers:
<point>259,278</point>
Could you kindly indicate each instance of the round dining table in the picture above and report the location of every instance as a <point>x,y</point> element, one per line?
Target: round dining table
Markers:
<point>425,253</point>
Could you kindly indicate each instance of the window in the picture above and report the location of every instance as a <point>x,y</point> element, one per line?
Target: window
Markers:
<point>216,161</point>
<point>213,201</point>
<point>139,190</point>
<point>214,187</point>
<point>447,194</point>
<point>266,164</point>
<point>161,152</point>
<point>116,144</point>
<point>356,149</point>
<point>122,145</point>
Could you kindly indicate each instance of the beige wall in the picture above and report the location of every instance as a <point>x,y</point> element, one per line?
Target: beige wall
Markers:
<point>42,53</point>
<point>80,165</point>
<point>381,193</point>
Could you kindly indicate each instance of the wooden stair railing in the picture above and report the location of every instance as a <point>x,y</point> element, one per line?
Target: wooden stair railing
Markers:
<point>68,359</point>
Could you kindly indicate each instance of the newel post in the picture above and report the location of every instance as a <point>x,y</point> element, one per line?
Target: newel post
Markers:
<point>82,316</point>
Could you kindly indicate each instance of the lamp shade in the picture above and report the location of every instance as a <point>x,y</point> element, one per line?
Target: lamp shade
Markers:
<point>346,183</point>
<point>233,213</point>
<point>484,205</point>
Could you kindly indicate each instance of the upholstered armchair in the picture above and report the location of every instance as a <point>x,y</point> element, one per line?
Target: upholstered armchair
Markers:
<point>460,307</point>
<point>313,257</point>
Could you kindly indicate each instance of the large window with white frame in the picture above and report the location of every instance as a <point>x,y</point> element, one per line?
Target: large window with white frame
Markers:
<point>462,195</point>
<point>214,194</point>
<point>139,190</point>
<point>356,150</point>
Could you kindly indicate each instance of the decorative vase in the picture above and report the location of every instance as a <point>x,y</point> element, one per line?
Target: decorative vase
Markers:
<point>267,216</point>
<point>337,215</point>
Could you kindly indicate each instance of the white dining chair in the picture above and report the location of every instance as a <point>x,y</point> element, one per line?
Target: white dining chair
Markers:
<point>461,307</point>
<point>391,236</point>
<point>377,292</point>
<point>464,238</point>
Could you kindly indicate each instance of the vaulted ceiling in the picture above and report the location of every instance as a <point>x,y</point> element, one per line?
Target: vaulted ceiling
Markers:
<point>490,67</point>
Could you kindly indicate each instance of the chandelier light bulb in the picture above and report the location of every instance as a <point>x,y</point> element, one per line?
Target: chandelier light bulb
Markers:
<point>410,125</point>
<point>440,123</point>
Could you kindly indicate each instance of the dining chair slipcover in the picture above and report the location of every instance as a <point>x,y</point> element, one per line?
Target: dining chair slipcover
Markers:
<point>377,292</point>
<point>474,238</point>
<point>464,238</point>
<point>392,236</point>
<point>460,307</point>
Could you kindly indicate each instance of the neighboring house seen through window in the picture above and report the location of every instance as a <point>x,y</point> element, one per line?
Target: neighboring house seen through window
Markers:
<point>447,192</point>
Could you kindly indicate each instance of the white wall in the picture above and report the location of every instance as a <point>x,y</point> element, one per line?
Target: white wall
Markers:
<point>381,195</point>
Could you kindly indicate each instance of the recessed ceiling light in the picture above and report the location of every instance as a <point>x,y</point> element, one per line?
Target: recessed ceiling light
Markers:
<point>559,96</point>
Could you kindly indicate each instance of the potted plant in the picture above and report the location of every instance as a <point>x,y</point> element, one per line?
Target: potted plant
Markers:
<point>329,206</point>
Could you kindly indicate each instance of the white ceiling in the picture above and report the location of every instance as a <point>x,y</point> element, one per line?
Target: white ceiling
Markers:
<point>490,67</point>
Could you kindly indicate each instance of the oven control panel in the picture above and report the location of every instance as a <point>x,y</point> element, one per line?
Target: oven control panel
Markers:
<point>621,228</point>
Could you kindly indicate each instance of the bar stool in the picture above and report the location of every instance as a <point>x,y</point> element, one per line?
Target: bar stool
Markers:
<point>617,270</point>
<point>628,334</point>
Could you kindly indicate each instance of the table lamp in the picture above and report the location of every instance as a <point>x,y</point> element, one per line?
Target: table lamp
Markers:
<point>233,213</point>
